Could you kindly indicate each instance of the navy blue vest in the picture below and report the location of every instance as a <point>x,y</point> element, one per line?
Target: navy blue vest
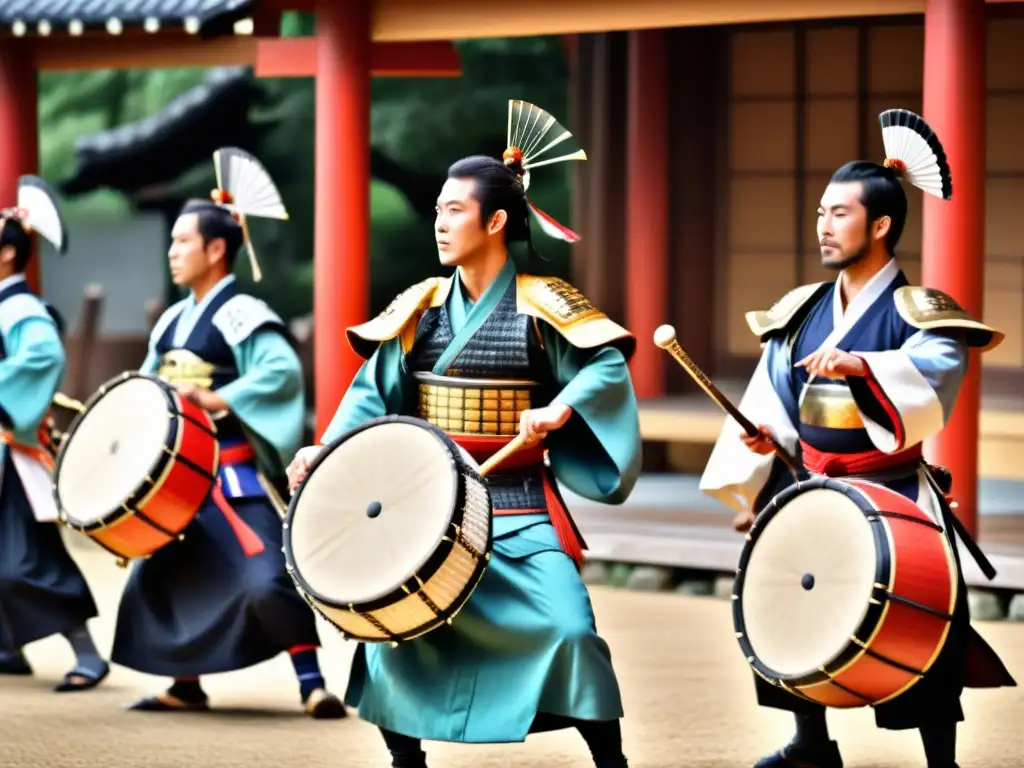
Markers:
<point>880,328</point>
<point>208,343</point>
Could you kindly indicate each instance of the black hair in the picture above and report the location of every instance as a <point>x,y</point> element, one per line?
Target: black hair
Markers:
<point>13,234</point>
<point>214,222</point>
<point>498,187</point>
<point>882,194</point>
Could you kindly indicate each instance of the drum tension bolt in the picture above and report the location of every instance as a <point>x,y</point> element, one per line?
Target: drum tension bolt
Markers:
<point>807,582</point>
<point>373,509</point>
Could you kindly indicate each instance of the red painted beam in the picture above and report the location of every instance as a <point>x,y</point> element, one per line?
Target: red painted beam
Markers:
<point>647,213</point>
<point>953,242</point>
<point>297,57</point>
<point>341,260</point>
<point>19,130</point>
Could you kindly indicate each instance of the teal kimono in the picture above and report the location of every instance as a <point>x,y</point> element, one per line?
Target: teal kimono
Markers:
<point>526,643</point>
<point>42,591</point>
<point>221,599</point>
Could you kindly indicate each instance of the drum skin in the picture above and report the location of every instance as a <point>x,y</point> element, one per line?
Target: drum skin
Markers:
<point>364,490</point>
<point>165,502</point>
<point>895,634</point>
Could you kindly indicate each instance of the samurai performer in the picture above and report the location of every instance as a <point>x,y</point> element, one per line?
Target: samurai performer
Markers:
<point>855,374</point>
<point>42,591</point>
<point>220,599</point>
<point>523,654</point>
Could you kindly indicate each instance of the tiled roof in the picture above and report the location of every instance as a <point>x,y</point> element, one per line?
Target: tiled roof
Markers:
<point>44,17</point>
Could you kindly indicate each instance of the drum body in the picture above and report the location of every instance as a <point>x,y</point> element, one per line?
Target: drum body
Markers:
<point>844,593</point>
<point>136,466</point>
<point>390,532</point>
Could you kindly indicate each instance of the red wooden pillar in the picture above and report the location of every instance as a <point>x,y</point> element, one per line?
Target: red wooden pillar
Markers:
<point>953,243</point>
<point>647,205</point>
<point>341,262</point>
<point>19,128</point>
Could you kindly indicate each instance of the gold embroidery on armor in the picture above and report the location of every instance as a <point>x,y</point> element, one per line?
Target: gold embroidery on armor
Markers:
<point>571,313</point>
<point>180,366</point>
<point>831,406</point>
<point>778,317</point>
<point>928,308</point>
<point>485,407</point>
<point>403,311</point>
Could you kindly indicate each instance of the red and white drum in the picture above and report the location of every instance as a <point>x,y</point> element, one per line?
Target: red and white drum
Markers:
<point>136,466</point>
<point>844,593</point>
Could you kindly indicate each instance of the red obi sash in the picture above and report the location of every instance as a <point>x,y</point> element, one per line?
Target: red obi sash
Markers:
<point>482,447</point>
<point>843,464</point>
<point>249,540</point>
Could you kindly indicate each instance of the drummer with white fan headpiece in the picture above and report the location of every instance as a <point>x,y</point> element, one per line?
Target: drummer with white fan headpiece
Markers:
<point>486,353</point>
<point>854,375</point>
<point>42,591</point>
<point>220,599</point>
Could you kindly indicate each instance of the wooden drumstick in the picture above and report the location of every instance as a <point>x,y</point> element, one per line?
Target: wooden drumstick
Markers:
<point>513,445</point>
<point>63,401</point>
<point>665,337</point>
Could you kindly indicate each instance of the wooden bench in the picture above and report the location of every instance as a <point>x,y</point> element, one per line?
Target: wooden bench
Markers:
<point>689,424</point>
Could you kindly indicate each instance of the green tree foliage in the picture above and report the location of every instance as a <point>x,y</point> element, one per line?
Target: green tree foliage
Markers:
<point>420,124</point>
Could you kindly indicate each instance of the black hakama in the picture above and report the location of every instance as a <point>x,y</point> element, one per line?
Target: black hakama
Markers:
<point>201,605</point>
<point>42,590</point>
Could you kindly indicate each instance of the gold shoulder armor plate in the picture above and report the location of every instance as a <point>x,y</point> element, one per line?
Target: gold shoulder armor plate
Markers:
<point>928,308</point>
<point>399,316</point>
<point>567,310</point>
<point>777,318</point>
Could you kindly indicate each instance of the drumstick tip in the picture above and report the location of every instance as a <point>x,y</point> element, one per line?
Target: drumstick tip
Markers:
<point>664,336</point>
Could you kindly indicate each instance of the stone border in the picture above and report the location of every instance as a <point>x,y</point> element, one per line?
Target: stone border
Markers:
<point>985,604</point>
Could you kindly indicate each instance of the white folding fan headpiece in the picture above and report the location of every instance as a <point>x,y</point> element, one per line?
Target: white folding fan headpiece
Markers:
<point>914,152</point>
<point>532,132</point>
<point>37,211</point>
<point>245,188</point>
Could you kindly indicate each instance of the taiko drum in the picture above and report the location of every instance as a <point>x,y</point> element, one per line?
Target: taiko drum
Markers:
<point>844,593</point>
<point>136,466</point>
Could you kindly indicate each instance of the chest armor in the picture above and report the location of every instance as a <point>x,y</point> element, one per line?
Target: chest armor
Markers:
<point>499,373</point>
<point>205,359</point>
<point>830,418</point>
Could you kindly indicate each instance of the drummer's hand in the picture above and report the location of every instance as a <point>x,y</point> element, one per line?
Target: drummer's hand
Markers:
<point>205,398</point>
<point>832,364</point>
<point>300,465</point>
<point>760,443</point>
<point>537,422</point>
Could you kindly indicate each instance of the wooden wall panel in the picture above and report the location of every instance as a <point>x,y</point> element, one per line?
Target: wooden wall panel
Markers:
<point>763,63</point>
<point>832,62</point>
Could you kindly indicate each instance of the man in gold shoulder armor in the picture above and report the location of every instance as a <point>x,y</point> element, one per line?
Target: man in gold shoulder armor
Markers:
<point>486,354</point>
<point>854,375</point>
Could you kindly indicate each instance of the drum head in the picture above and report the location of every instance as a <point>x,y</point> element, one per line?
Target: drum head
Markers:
<point>372,512</point>
<point>111,451</point>
<point>807,582</point>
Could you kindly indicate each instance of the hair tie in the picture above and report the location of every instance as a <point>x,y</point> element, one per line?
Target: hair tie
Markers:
<point>897,166</point>
<point>221,197</point>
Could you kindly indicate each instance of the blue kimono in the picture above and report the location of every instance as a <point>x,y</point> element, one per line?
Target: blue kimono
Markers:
<point>210,602</point>
<point>42,591</point>
<point>525,645</point>
<point>914,343</point>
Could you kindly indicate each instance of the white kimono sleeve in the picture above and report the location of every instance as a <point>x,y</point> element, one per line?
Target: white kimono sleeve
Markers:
<point>915,385</point>
<point>734,474</point>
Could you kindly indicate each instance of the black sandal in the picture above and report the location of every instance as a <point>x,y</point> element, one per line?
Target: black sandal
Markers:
<point>79,679</point>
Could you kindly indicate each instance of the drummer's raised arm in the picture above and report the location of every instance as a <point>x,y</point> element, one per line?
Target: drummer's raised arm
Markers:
<point>375,391</point>
<point>597,453</point>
